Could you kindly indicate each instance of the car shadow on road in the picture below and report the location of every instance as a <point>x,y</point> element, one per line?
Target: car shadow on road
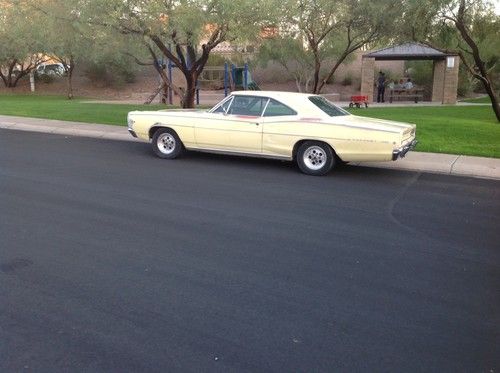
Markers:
<point>265,164</point>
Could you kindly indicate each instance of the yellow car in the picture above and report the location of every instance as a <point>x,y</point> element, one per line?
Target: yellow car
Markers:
<point>304,128</point>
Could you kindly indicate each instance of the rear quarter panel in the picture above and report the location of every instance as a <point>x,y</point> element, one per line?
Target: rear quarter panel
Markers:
<point>350,144</point>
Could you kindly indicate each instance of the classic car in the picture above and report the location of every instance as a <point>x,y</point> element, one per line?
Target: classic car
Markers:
<point>304,128</point>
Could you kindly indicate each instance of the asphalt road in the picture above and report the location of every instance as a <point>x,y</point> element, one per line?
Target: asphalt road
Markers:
<point>113,260</point>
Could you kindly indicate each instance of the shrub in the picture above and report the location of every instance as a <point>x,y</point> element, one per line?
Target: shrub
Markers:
<point>421,72</point>
<point>114,73</point>
<point>347,80</point>
<point>45,78</point>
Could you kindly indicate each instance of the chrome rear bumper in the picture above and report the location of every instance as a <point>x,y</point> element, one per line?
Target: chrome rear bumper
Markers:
<point>401,152</point>
<point>132,132</point>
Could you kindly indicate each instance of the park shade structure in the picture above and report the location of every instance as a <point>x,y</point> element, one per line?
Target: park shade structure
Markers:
<point>445,73</point>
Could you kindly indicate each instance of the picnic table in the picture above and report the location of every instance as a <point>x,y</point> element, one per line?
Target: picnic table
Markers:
<point>403,94</point>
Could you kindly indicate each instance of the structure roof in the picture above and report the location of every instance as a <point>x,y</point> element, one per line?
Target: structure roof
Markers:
<point>407,51</point>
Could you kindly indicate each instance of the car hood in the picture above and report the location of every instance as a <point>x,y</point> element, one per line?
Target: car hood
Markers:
<point>372,123</point>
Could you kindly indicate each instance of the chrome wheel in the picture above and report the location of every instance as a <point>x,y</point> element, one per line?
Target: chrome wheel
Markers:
<point>166,143</point>
<point>315,157</point>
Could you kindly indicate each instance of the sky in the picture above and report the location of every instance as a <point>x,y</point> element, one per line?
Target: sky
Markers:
<point>496,3</point>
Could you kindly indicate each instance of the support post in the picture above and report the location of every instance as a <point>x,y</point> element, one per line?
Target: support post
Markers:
<point>451,80</point>
<point>438,80</point>
<point>225,78</point>
<point>368,77</point>
<point>233,75</point>
<point>245,77</point>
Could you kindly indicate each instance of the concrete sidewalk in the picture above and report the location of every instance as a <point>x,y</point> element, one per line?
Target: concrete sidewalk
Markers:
<point>488,168</point>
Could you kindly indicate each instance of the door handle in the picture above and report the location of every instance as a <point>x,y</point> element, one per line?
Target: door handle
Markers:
<point>256,124</point>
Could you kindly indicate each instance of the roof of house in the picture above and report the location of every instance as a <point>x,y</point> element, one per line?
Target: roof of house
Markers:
<point>408,51</point>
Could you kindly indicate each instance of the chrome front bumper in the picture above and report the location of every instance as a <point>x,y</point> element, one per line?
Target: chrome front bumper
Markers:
<point>401,152</point>
<point>132,132</point>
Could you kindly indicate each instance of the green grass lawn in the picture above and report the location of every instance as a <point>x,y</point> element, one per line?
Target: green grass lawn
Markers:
<point>77,110</point>
<point>467,130</point>
<point>480,100</point>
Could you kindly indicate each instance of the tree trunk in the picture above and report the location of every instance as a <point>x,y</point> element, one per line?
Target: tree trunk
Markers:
<point>482,73</point>
<point>4,78</point>
<point>69,72</point>
<point>334,69</point>
<point>21,74</point>
<point>70,84</point>
<point>164,94</point>
<point>494,99</point>
<point>317,68</point>
<point>298,84</point>
<point>10,73</point>
<point>190,93</point>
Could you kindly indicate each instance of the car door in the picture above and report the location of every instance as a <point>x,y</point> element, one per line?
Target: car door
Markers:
<point>234,126</point>
<point>279,129</point>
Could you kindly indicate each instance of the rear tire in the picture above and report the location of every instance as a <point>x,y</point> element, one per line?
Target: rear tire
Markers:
<point>315,158</point>
<point>166,144</point>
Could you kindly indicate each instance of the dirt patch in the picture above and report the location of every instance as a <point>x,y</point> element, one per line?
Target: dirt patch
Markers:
<point>145,84</point>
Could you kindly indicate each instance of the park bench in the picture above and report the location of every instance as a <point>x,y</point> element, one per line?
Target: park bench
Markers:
<point>401,94</point>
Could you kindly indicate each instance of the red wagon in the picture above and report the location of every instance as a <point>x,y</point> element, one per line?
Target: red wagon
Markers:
<point>358,101</point>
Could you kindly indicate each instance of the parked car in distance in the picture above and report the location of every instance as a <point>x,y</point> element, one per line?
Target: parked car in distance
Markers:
<point>304,128</point>
<point>51,69</point>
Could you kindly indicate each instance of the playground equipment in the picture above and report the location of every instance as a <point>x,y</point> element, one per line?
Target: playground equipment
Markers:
<point>242,79</point>
<point>228,77</point>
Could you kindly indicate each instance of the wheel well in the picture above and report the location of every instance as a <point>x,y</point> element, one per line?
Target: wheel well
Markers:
<point>157,127</point>
<point>299,143</point>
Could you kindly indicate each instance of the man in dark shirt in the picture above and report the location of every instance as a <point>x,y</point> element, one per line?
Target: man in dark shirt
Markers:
<point>380,87</point>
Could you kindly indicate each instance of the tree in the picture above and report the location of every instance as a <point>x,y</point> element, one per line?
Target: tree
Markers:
<point>469,28</point>
<point>21,43</point>
<point>62,36</point>
<point>183,31</point>
<point>473,27</point>
<point>291,55</point>
<point>333,29</point>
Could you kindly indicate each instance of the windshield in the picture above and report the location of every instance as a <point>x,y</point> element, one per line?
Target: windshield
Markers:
<point>327,107</point>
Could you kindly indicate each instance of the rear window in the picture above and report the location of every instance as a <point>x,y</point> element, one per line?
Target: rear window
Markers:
<point>327,107</point>
<point>275,109</point>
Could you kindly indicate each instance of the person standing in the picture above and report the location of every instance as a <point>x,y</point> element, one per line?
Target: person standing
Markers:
<point>380,87</point>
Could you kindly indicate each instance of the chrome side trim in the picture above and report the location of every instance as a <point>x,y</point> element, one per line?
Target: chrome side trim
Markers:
<point>230,97</point>
<point>243,154</point>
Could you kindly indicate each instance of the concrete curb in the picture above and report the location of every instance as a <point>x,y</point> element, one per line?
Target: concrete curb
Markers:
<point>460,165</point>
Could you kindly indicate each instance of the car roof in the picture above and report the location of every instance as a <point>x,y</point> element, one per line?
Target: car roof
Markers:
<point>274,94</point>
<point>297,101</point>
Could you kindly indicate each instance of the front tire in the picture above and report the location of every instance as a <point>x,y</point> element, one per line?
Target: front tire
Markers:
<point>166,144</point>
<point>315,158</point>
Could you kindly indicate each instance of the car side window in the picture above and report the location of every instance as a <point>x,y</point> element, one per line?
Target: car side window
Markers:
<point>276,108</point>
<point>224,108</point>
<point>248,105</point>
